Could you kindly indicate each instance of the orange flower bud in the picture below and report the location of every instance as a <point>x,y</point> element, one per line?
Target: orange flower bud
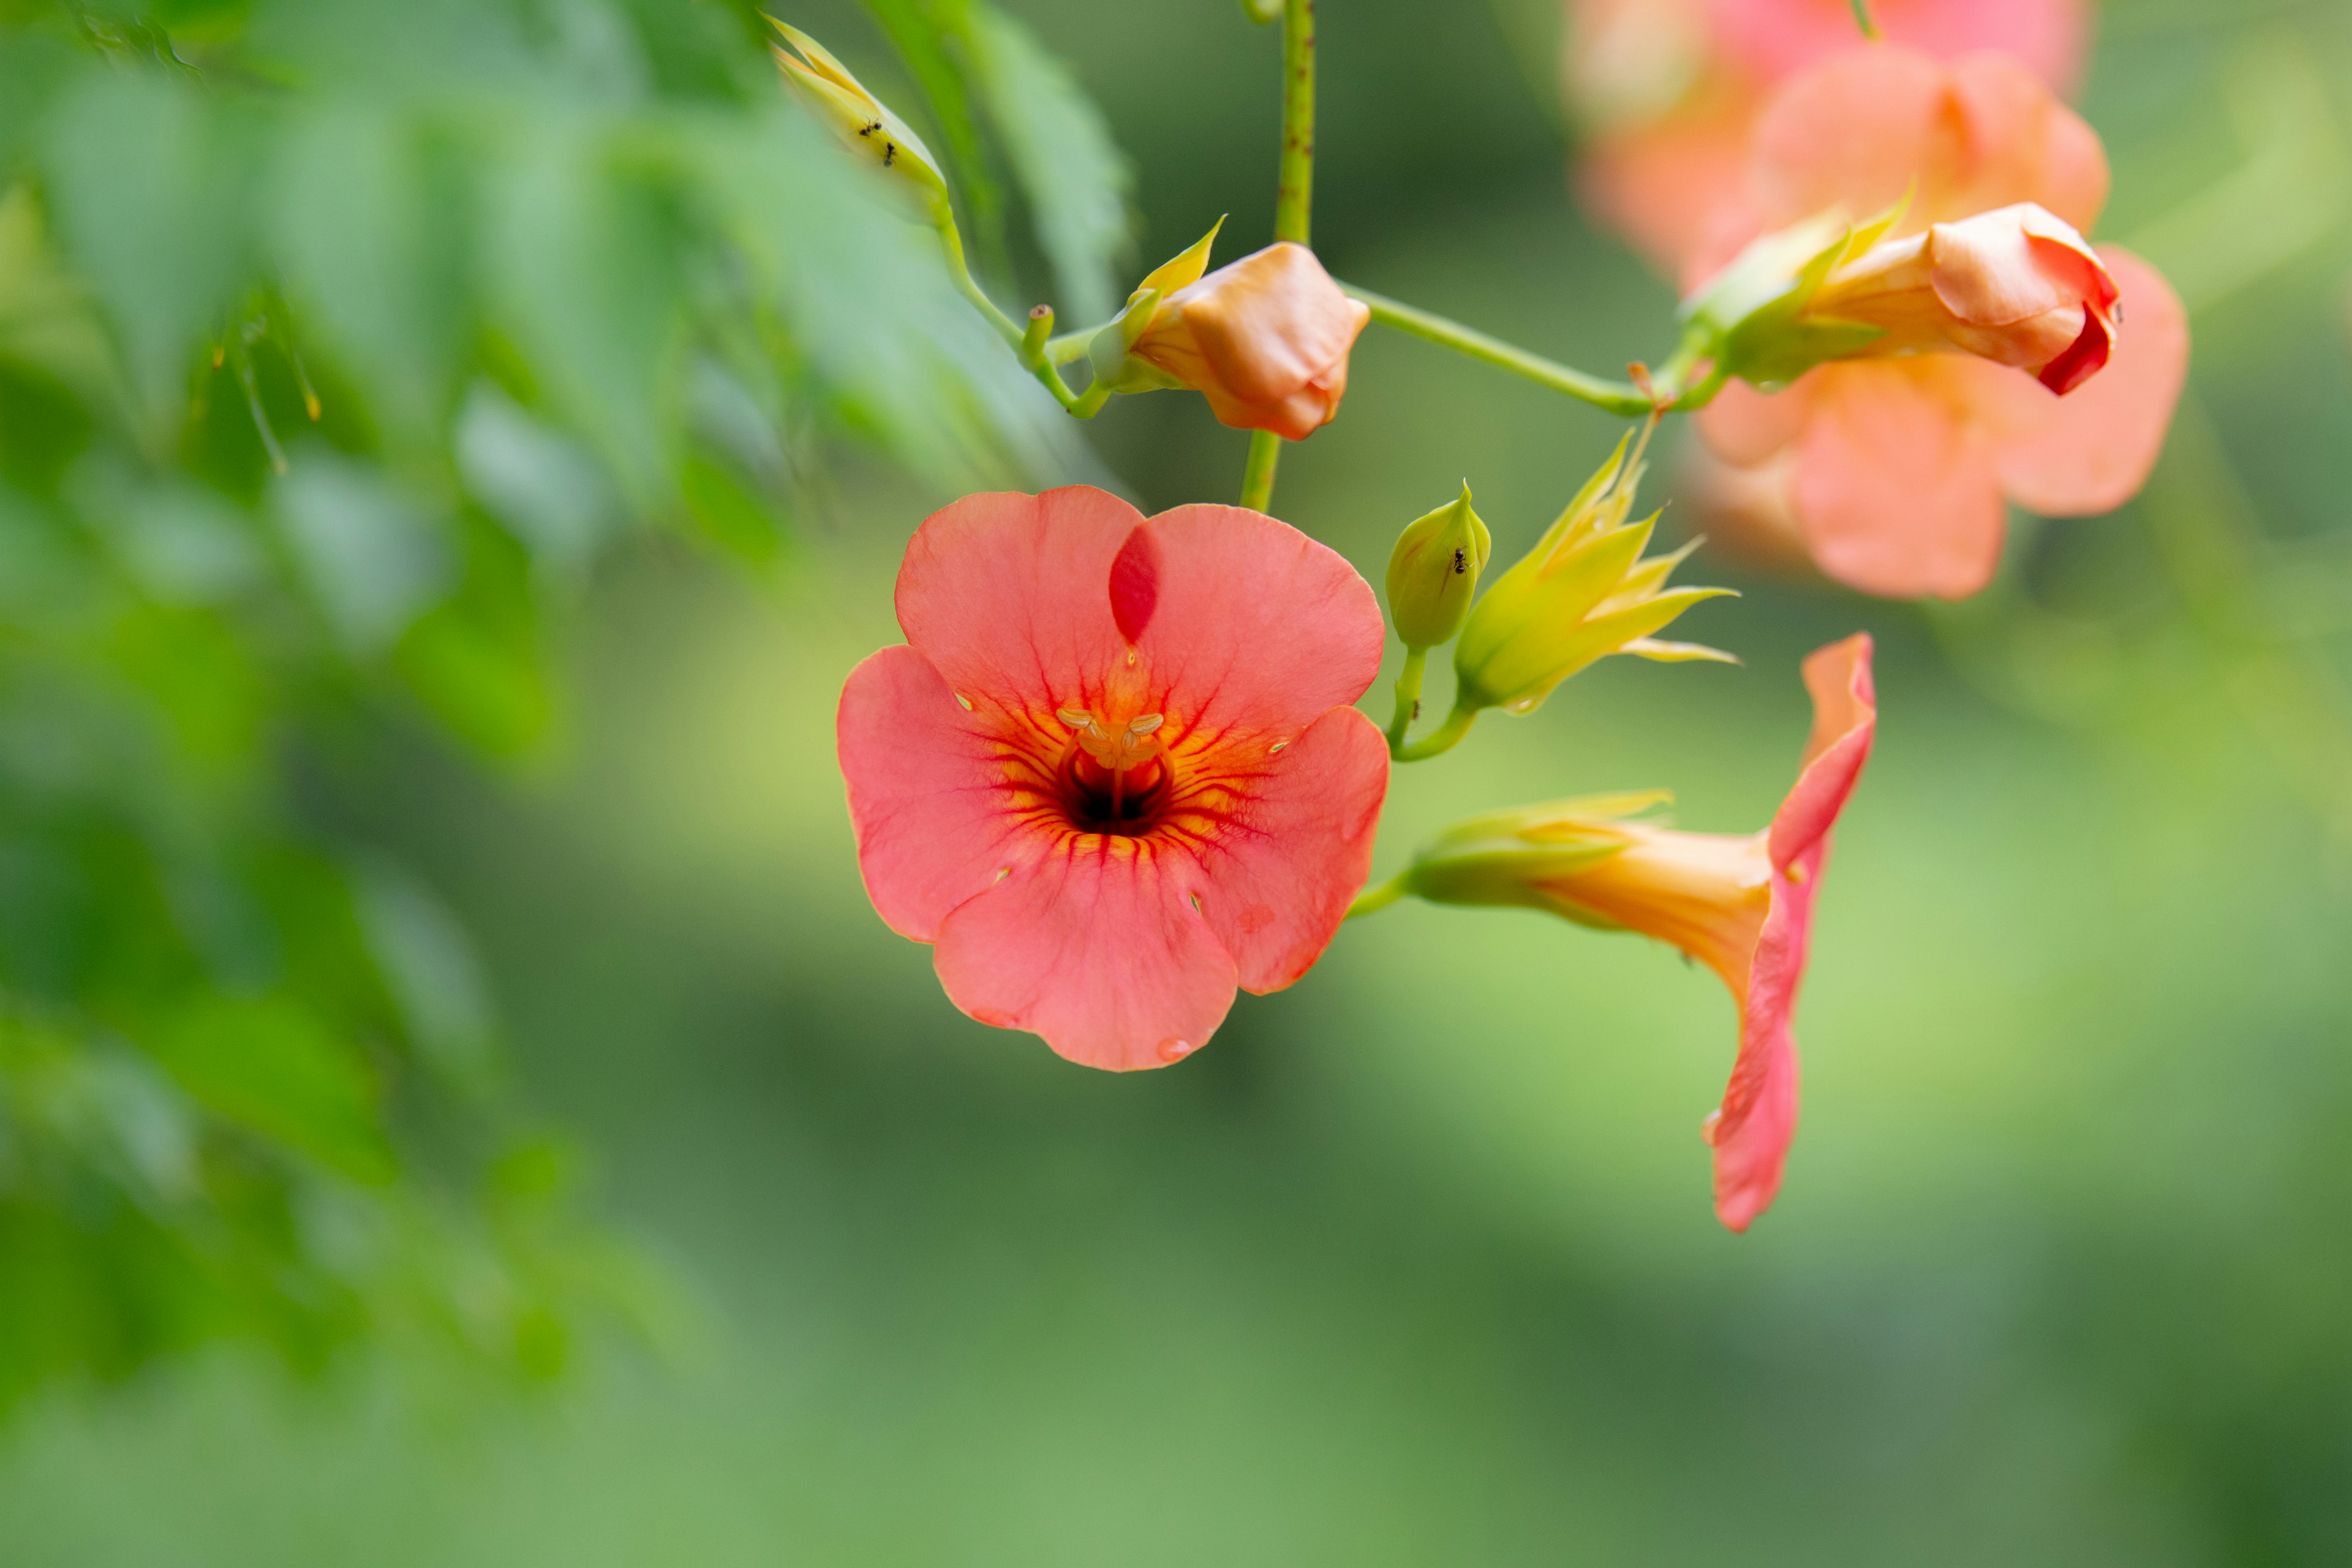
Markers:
<point>1265,338</point>
<point>2017,285</point>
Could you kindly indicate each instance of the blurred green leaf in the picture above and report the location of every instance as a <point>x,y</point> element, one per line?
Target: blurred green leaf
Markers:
<point>150,199</point>
<point>1075,179</point>
<point>267,1064</point>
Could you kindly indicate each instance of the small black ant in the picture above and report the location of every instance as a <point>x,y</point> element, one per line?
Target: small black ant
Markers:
<point>1461,561</point>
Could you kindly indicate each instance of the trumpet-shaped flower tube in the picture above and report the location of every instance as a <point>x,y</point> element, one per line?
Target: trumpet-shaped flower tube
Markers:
<point>1742,905</point>
<point>1897,470</point>
<point>1112,773</point>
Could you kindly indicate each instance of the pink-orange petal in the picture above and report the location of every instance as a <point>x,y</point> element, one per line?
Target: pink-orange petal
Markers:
<point>1774,37</point>
<point>1256,629</point>
<point>1745,426</point>
<point>1009,595</point>
<point>1288,844</point>
<point>1896,491</point>
<point>926,794</point>
<point>1858,131</point>
<point>2092,450</point>
<point>1752,1129</point>
<point>1093,943</point>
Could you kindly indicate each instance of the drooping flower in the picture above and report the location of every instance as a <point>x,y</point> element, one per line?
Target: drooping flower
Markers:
<point>1897,470</point>
<point>1669,88</point>
<point>1266,339</point>
<point>862,121</point>
<point>1742,905</point>
<point>1112,773</point>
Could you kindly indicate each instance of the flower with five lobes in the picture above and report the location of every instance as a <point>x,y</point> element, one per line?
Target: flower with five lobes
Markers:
<point>1265,338</point>
<point>1112,773</point>
<point>1584,592</point>
<point>1742,905</point>
<point>856,115</point>
<point>1895,472</point>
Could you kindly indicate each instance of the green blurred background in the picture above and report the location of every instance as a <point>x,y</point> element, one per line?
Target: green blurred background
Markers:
<point>1417,1264</point>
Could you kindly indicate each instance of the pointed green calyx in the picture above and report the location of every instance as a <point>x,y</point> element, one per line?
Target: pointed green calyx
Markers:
<point>1519,857</point>
<point>1433,572</point>
<point>1755,319</point>
<point>1584,593</point>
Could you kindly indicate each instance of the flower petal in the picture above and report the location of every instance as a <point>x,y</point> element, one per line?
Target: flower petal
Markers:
<point>1895,492</point>
<point>1256,629</point>
<point>1094,943</point>
<point>1773,37</point>
<point>1751,1130</point>
<point>1009,595</point>
<point>1864,128</point>
<point>929,797</point>
<point>1283,841</point>
<point>2090,451</point>
<point>1745,426</point>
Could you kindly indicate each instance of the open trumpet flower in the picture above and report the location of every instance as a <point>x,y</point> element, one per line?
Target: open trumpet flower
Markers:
<point>1740,904</point>
<point>1113,774</point>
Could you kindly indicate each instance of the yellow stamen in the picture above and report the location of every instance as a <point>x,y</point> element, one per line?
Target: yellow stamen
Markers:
<point>1136,744</point>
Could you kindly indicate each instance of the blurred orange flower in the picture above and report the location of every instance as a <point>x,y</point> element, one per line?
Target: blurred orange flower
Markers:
<point>1668,88</point>
<point>1266,339</point>
<point>1895,471</point>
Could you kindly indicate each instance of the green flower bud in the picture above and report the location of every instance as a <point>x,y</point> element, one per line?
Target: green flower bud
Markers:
<point>1433,572</point>
<point>856,115</point>
<point>1584,592</point>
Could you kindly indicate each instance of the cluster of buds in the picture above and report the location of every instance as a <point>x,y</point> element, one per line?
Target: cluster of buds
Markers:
<point>1265,338</point>
<point>2018,286</point>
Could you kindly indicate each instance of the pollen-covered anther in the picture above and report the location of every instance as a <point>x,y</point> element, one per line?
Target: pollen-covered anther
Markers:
<point>1118,752</point>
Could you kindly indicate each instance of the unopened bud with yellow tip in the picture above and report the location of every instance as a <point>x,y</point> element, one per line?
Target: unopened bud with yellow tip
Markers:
<point>1433,572</point>
<point>1584,593</point>
<point>856,115</point>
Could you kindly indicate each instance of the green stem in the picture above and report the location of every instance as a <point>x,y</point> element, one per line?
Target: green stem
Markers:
<point>1257,479</point>
<point>1033,345</point>
<point>1862,19</point>
<point>944,221</point>
<point>1615,396</point>
<point>1294,201</point>
<point>1408,698</point>
<point>1444,738</point>
<point>1371,900</point>
<point>1294,204</point>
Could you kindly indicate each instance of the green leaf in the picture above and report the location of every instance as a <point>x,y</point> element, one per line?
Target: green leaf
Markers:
<point>150,202</point>
<point>1074,175</point>
<point>366,220</point>
<point>266,1064</point>
<point>930,36</point>
<point>371,557</point>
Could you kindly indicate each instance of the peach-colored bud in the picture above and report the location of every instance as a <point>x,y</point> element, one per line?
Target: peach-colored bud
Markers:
<point>2018,285</point>
<point>1265,338</point>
